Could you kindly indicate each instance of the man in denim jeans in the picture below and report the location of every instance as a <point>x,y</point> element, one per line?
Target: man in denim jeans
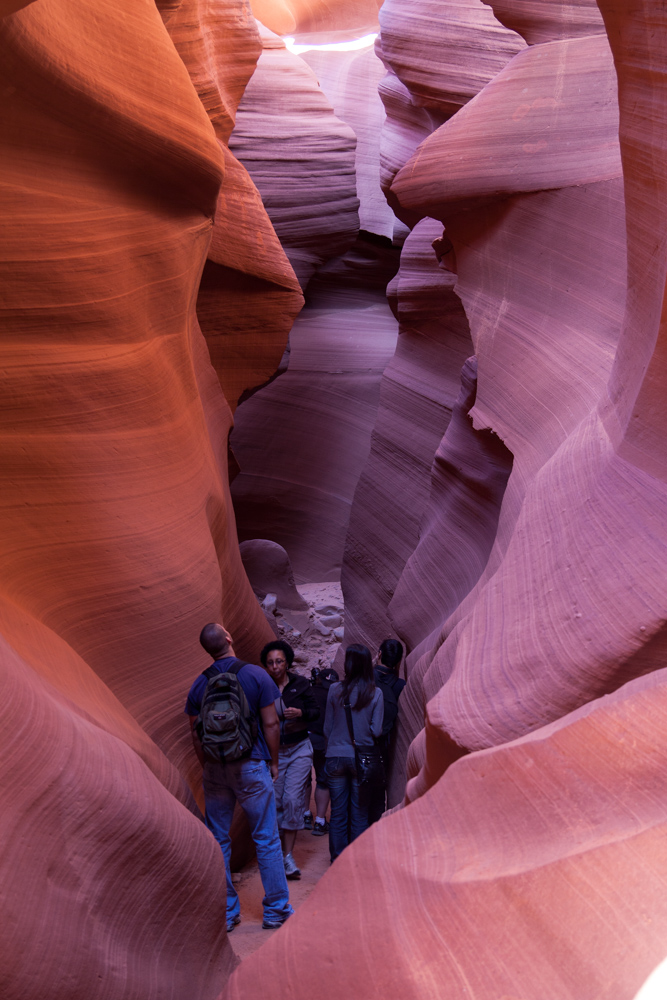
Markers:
<point>248,781</point>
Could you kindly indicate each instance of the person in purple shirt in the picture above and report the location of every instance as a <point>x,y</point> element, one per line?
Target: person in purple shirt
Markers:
<point>248,781</point>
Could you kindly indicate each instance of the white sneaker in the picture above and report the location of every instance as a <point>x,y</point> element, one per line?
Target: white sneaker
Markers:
<point>291,870</point>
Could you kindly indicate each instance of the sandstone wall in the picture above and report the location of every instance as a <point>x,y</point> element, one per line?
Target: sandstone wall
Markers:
<point>302,441</point>
<point>528,858</point>
<point>528,861</point>
<point>117,535</point>
<point>468,46</point>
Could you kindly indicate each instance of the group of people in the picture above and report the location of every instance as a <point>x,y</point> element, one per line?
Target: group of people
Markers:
<point>259,731</point>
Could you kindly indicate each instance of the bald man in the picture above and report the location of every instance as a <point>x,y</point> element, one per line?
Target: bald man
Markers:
<point>248,781</point>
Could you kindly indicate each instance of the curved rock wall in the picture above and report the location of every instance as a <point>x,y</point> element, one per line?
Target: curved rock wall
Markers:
<point>117,536</point>
<point>528,859</point>
<point>422,382</point>
<point>300,156</point>
<point>302,440</point>
<point>566,340</point>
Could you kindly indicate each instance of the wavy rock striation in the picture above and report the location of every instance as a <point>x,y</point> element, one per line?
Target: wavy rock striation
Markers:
<point>422,382</point>
<point>302,440</point>
<point>301,157</point>
<point>117,536</point>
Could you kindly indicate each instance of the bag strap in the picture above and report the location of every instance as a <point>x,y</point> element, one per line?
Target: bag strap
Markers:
<point>350,726</point>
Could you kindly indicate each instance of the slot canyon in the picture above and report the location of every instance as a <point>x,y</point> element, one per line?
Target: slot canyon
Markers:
<point>381,286</point>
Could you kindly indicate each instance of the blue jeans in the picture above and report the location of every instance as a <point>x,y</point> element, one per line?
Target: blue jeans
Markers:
<point>249,783</point>
<point>347,810</point>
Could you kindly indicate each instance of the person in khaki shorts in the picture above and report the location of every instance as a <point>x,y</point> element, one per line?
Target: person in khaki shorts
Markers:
<point>296,708</point>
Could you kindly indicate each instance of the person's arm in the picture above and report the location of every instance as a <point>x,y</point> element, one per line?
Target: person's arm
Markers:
<point>195,740</point>
<point>377,714</point>
<point>271,728</point>
<point>309,711</point>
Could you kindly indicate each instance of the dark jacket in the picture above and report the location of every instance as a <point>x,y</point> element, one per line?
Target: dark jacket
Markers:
<point>391,687</point>
<point>385,676</point>
<point>297,693</point>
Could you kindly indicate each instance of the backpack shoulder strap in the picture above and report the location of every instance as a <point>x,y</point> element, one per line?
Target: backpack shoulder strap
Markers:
<point>232,667</point>
<point>235,666</point>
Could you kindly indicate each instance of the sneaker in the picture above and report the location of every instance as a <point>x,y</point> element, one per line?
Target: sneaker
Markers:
<point>291,870</point>
<point>232,922</point>
<point>319,829</point>
<point>308,821</point>
<point>273,925</point>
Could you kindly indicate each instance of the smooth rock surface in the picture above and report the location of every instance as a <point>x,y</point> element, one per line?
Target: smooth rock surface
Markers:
<point>301,157</point>
<point>302,441</point>
<point>546,21</point>
<point>270,573</point>
<point>568,375</point>
<point>444,53</point>
<point>350,80</point>
<point>248,294</point>
<point>417,393</point>
<point>117,535</point>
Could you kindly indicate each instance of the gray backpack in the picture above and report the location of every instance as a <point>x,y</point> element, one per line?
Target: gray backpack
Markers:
<point>226,727</point>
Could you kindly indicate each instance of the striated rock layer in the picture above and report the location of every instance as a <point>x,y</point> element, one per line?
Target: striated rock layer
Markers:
<point>421,384</point>
<point>117,536</point>
<point>557,522</point>
<point>300,156</point>
<point>350,80</point>
<point>302,441</point>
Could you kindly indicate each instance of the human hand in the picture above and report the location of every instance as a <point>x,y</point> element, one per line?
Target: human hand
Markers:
<point>274,771</point>
<point>293,713</point>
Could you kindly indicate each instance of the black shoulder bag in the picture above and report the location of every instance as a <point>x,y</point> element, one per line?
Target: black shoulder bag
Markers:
<point>368,760</point>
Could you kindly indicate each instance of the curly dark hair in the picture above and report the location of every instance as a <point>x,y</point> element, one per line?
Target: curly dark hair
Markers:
<point>281,645</point>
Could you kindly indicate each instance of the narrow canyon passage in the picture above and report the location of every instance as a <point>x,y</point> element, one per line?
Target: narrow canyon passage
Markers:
<point>379,286</point>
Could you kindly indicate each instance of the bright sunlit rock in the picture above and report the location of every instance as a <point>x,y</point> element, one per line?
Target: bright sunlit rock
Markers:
<point>358,43</point>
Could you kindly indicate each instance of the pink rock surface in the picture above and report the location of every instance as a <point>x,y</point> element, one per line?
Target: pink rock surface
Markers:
<point>444,53</point>
<point>546,21</point>
<point>528,116</point>
<point>423,380</point>
<point>350,80</point>
<point>405,127</point>
<point>269,571</point>
<point>418,390</point>
<point>300,155</point>
<point>302,441</point>
<point>544,424</point>
<point>458,527</point>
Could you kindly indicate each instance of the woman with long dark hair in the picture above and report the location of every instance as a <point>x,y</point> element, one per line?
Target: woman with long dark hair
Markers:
<point>349,811</point>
